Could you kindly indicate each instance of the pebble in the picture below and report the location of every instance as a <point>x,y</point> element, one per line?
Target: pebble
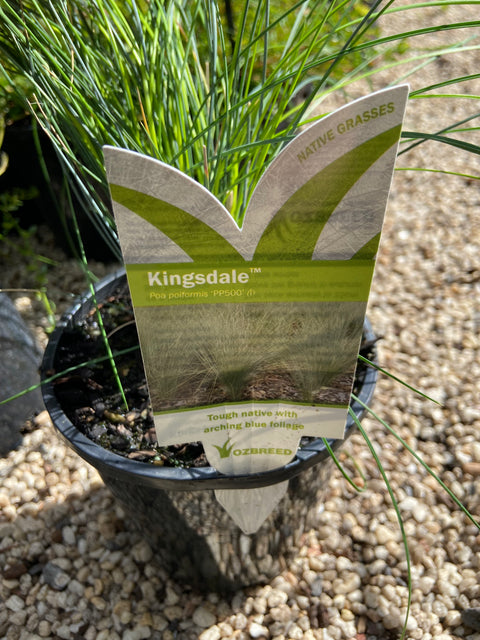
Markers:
<point>213,633</point>
<point>225,629</point>
<point>350,582</point>
<point>203,618</point>
<point>55,577</point>
<point>439,609</point>
<point>15,603</point>
<point>142,552</point>
<point>385,534</point>
<point>173,612</point>
<point>256,630</point>
<point>171,596</point>
<point>282,613</point>
<point>44,628</point>
<point>471,618</point>
<point>392,621</point>
<point>347,615</point>
<point>65,632</point>
<point>99,603</point>
<point>295,632</point>
<point>239,621</point>
<point>448,589</point>
<point>377,567</point>
<point>317,587</point>
<point>68,535</point>
<point>138,633</point>
<point>15,570</point>
<point>276,597</point>
<point>304,623</point>
<point>302,601</point>
<point>426,583</point>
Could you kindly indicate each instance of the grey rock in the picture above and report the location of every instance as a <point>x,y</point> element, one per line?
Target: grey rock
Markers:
<point>19,361</point>
<point>317,587</point>
<point>203,618</point>
<point>55,577</point>
<point>471,618</point>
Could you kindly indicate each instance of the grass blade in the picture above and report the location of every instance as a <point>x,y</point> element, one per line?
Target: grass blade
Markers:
<point>397,512</point>
<point>419,459</point>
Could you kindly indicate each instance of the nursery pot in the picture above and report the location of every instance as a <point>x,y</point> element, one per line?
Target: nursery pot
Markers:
<point>191,534</point>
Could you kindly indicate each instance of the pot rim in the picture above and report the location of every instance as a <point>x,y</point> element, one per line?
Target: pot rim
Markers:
<point>175,478</point>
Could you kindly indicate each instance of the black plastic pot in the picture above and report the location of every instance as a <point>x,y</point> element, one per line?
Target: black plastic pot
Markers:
<point>194,537</point>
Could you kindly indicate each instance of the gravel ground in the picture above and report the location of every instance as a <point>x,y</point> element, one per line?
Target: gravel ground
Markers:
<point>71,568</point>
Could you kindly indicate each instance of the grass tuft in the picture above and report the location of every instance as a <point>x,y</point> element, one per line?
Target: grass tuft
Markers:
<point>324,345</point>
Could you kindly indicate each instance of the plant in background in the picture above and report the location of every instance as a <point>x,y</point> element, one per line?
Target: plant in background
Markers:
<point>3,155</point>
<point>15,89</point>
<point>15,237</point>
<point>10,202</point>
<point>162,78</point>
<point>282,21</point>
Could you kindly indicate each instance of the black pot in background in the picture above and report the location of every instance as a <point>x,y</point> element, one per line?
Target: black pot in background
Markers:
<point>194,538</point>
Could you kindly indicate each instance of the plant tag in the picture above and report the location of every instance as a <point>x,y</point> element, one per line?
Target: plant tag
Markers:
<point>250,335</point>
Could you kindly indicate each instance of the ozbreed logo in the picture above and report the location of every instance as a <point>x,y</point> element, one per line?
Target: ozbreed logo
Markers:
<point>227,449</point>
<point>194,278</point>
<point>271,451</point>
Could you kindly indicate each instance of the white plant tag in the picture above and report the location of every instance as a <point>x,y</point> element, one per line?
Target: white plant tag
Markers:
<point>249,508</point>
<point>250,336</point>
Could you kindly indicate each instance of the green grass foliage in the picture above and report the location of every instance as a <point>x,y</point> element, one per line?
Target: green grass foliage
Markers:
<point>170,79</point>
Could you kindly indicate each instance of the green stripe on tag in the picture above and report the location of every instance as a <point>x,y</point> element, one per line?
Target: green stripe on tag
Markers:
<point>300,281</point>
<point>296,227</point>
<point>369,249</point>
<point>195,237</point>
<point>261,407</point>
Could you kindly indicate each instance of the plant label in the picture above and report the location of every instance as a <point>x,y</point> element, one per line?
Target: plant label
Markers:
<point>250,335</point>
